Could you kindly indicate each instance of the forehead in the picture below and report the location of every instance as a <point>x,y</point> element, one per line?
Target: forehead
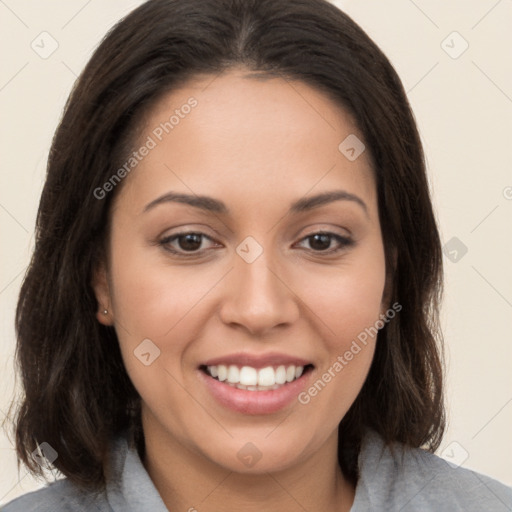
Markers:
<point>257,135</point>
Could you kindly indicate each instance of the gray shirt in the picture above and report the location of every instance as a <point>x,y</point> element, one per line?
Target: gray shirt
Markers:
<point>406,479</point>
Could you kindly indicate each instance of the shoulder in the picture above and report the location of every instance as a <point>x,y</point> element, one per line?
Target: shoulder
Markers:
<point>58,496</point>
<point>63,495</point>
<point>128,488</point>
<point>408,479</point>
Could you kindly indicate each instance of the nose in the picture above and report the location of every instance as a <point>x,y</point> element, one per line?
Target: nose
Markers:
<point>258,298</point>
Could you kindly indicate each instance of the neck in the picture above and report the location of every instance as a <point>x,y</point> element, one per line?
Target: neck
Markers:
<point>188,481</point>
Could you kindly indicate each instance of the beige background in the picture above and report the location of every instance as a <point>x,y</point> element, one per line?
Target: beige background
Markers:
<point>463,107</point>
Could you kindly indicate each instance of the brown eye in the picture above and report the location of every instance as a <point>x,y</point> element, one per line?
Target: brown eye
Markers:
<point>321,242</point>
<point>189,242</point>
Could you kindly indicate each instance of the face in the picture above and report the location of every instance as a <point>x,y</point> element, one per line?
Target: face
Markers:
<point>259,285</point>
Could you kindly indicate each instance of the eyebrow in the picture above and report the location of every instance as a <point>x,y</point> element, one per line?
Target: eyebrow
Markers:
<point>213,205</point>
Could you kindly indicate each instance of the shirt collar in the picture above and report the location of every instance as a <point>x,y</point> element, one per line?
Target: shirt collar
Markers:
<point>129,487</point>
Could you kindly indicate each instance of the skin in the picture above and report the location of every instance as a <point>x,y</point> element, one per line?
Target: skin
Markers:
<point>250,143</point>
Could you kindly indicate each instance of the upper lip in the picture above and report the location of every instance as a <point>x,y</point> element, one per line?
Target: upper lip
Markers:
<point>257,360</point>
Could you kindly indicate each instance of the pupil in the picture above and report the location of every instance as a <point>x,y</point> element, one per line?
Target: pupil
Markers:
<point>324,238</point>
<point>190,244</point>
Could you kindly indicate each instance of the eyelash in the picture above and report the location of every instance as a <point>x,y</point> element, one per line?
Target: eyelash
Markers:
<point>344,242</point>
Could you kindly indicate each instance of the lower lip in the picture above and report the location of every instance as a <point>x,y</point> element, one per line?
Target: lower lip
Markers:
<point>255,402</point>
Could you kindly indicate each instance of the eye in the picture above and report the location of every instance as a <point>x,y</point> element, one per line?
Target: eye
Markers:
<point>187,242</point>
<point>321,242</point>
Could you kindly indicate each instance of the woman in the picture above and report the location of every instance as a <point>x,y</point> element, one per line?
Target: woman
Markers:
<point>233,299</point>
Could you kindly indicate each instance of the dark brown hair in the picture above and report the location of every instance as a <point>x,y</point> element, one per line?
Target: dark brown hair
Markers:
<point>77,394</point>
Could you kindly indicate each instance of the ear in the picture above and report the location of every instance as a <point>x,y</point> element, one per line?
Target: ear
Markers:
<point>101,287</point>
<point>388,287</point>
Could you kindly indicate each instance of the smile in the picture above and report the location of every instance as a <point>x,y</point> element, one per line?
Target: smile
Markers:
<point>246,389</point>
<point>254,379</point>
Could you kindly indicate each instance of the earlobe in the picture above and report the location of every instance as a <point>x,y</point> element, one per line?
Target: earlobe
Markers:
<point>100,285</point>
<point>103,315</point>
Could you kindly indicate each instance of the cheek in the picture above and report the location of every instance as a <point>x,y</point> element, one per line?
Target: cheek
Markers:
<point>349,299</point>
<point>147,301</point>
<point>154,302</point>
<point>349,306</point>
<point>151,297</point>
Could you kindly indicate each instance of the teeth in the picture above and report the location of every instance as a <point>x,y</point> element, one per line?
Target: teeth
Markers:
<point>248,376</point>
<point>221,370</point>
<point>267,376</point>
<point>280,375</point>
<point>233,374</point>
<point>252,379</point>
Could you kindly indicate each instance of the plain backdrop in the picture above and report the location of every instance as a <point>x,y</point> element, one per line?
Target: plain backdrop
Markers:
<point>454,60</point>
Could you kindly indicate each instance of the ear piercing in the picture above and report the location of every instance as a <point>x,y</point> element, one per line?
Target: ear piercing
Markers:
<point>105,312</point>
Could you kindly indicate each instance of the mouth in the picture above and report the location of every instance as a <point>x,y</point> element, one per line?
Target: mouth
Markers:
<point>255,384</point>
<point>249,378</point>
